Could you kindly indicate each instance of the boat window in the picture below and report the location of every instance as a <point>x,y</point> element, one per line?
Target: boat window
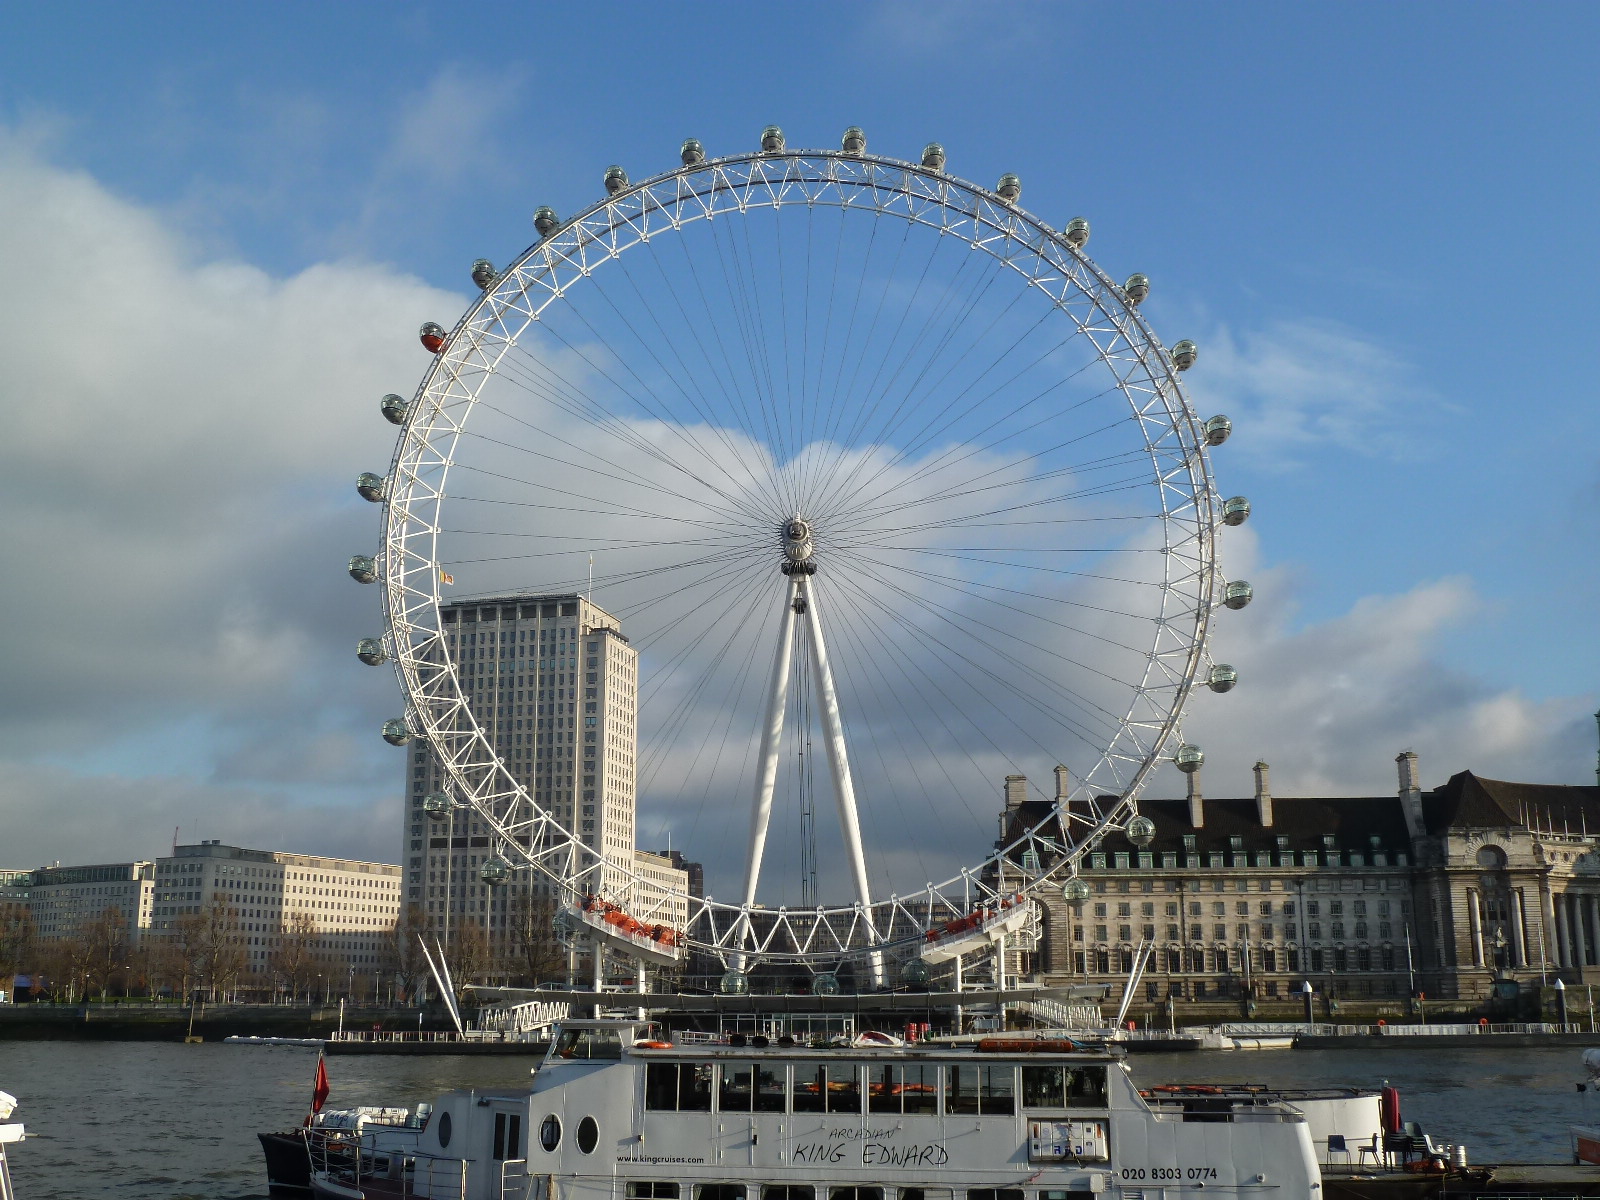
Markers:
<point>855,1193</point>
<point>986,1090</point>
<point>1056,1086</point>
<point>788,1191</point>
<point>444,1130</point>
<point>994,1194</point>
<point>751,1087</point>
<point>917,1193</point>
<point>588,1135</point>
<point>683,1087</point>
<point>832,1087</point>
<point>908,1089</point>
<point>844,1088</point>
<point>587,1043</point>
<point>549,1133</point>
<point>652,1189</point>
<point>719,1191</point>
<point>507,1135</point>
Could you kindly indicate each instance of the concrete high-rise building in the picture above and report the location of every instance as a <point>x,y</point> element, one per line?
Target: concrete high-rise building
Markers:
<point>353,905</point>
<point>63,900</point>
<point>555,684</point>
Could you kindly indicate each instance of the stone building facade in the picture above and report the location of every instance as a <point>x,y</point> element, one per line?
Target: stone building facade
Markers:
<point>1445,892</point>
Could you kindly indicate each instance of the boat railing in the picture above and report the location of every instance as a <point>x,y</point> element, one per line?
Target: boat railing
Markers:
<point>516,1183</point>
<point>352,1158</point>
<point>431,1035</point>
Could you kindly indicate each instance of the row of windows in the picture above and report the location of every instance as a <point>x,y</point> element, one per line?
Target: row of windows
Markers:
<point>650,1189</point>
<point>1360,931</point>
<point>804,1087</point>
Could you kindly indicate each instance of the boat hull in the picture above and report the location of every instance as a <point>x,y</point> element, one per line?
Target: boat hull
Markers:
<point>288,1165</point>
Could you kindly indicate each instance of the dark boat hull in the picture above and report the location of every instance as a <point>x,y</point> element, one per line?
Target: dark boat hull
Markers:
<point>288,1164</point>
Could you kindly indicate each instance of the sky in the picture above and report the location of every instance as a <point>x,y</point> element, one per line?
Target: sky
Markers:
<point>220,227</point>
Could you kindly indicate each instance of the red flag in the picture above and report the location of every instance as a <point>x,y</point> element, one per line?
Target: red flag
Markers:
<point>319,1090</point>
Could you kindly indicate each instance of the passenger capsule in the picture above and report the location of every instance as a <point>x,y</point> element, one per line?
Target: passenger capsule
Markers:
<point>1235,510</point>
<point>396,732</point>
<point>495,871</point>
<point>545,219</point>
<point>484,274</point>
<point>1218,429</point>
<point>734,983</point>
<point>370,487</point>
<point>371,652</point>
<point>1077,232</point>
<point>1075,891</point>
<point>437,805</point>
<point>1222,678</point>
<point>1237,594</point>
<point>1137,288</point>
<point>395,409</point>
<point>1188,758</point>
<point>362,568</point>
<point>914,973</point>
<point>854,141</point>
<point>1009,188</point>
<point>933,156</point>
<point>825,985</point>
<point>771,140</point>
<point>1184,354</point>
<point>432,336</point>
<point>1141,831</point>
<point>616,180</point>
<point>692,152</point>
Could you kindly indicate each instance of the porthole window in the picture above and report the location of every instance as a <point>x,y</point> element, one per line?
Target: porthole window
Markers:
<point>588,1135</point>
<point>550,1132</point>
<point>444,1130</point>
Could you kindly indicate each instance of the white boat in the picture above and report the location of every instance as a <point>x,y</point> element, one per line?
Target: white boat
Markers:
<point>614,1112</point>
<point>10,1134</point>
<point>1586,1136</point>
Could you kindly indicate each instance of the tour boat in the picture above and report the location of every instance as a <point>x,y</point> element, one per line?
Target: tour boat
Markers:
<point>615,1112</point>
<point>1586,1137</point>
<point>10,1134</point>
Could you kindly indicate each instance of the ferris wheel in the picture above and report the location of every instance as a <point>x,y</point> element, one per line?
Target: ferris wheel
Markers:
<point>894,492</point>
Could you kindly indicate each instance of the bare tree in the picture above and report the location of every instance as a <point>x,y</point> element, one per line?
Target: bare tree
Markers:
<point>468,953</point>
<point>105,950</point>
<point>17,948</point>
<point>401,954</point>
<point>531,952</point>
<point>297,950</point>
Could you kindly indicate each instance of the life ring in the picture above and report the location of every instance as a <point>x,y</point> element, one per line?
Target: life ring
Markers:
<point>652,1045</point>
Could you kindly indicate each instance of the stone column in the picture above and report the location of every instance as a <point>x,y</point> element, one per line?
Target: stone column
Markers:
<point>1593,902</point>
<point>1547,928</point>
<point>1558,902</point>
<point>1519,947</point>
<point>1475,922</point>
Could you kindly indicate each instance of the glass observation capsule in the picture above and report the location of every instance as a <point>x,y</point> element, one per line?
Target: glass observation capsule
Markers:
<point>854,141</point>
<point>825,985</point>
<point>933,156</point>
<point>495,871</point>
<point>545,219</point>
<point>1009,188</point>
<point>1235,510</point>
<point>914,973</point>
<point>1184,354</point>
<point>395,409</point>
<point>483,273</point>
<point>1074,891</point>
<point>1137,288</point>
<point>616,180</point>
<point>1188,758</point>
<point>1237,594</point>
<point>1077,232</point>
<point>692,152</point>
<point>432,336</point>
<point>771,143</point>
<point>362,568</point>
<point>396,732</point>
<point>1141,831</point>
<point>734,983</point>
<point>1222,678</point>
<point>437,805</point>
<point>371,652</point>
<point>370,487</point>
<point>1218,430</point>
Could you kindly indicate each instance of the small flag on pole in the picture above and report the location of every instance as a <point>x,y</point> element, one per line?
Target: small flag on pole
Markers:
<point>319,1089</point>
<point>445,576</point>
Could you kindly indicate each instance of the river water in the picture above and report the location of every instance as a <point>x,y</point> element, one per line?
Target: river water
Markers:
<point>157,1121</point>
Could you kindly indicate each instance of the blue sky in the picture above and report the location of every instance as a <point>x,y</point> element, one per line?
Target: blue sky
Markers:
<point>1376,220</point>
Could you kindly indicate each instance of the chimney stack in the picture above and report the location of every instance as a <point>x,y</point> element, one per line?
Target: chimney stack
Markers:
<point>1016,792</point>
<point>1263,795</point>
<point>1197,805</point>
<point>1063,784</point>
<point>1410,792</point>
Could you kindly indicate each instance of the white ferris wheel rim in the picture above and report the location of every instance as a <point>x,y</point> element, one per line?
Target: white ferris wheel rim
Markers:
<point>415,494</point>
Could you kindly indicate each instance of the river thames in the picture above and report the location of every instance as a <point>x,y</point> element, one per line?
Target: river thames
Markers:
<point>158,1121</point>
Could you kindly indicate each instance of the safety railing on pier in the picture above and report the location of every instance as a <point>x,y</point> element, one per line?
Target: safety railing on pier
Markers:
<point>1407,1029</point>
